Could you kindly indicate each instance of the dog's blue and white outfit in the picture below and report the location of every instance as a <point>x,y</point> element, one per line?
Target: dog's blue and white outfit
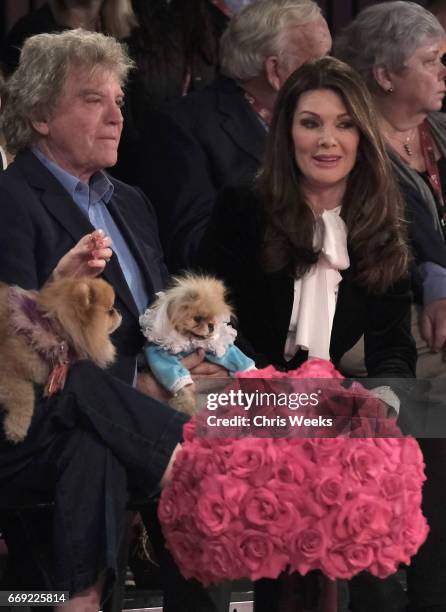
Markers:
<point>166,347</point>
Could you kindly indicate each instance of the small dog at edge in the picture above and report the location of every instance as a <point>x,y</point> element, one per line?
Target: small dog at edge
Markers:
<point>42,333</point>
<point>193,313</point>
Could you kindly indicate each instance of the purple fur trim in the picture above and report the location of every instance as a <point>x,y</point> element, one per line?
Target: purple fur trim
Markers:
<point>27,320</point>
<point>28,306</point>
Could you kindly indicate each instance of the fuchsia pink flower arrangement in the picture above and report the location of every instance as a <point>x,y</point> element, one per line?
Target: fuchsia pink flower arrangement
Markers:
<point>254,507</point>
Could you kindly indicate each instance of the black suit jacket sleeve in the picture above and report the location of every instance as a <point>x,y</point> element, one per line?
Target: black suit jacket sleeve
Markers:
<point>178,181</point>
<point>19,262</point>
<point>389,347</point>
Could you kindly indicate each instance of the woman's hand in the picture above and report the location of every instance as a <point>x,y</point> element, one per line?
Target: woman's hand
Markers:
<point>88,258</point>
<point>433,325</point>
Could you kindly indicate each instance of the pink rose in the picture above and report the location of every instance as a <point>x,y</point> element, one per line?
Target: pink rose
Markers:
<point>253,459</point>
<point>203,462</point>
<point>324,450</point>
<point>189,430</point>
<point>391,447</point>
<point>307,547</point>
<point>358,556</point>
<point>392,486</point>
<point>168,507</point>
<point>263,509</point>
<point>262,554</point>
<point>344,561</point>
<point>330,490</point>
<point>220,556</point>
<point>413,480</point>
<point>316,368</point>
<point>362,518</point>
<point>186,551</point>
<point>363,459</point>
<point>411,456</point>
<point>213,513</point>
<point>292,465</point>
<point>233,491</point>
<point>415,531</point>
<point>388,556</point>
<point>334,564</point>
<point>222,453</point>
<point>169,511</point>
<point>184,466</point>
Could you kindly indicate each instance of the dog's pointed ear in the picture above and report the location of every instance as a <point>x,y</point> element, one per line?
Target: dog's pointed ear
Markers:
<point>83,294</point>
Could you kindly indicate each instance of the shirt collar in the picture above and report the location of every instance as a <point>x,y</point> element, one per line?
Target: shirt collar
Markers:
<point>99,188</point>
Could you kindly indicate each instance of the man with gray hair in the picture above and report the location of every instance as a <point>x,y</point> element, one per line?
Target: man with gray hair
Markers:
<point>64,216</point>
<point>218,134</point>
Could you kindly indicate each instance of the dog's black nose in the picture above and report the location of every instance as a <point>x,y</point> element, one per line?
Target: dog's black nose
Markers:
<point>211,327</point>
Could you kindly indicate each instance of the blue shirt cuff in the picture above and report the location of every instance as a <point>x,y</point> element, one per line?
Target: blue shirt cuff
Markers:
<point>434,281</point>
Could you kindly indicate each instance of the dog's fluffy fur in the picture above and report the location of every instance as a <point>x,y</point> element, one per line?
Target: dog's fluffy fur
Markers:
<point>82,312</point>
<point>195,304</point>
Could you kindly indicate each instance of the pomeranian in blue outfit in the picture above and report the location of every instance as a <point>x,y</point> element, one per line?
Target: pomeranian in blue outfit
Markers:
<point>193,313</point>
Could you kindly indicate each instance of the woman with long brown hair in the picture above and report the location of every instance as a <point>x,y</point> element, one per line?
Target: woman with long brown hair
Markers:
<point>319,231</point>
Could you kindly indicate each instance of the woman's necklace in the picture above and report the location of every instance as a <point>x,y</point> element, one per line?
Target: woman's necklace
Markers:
<point>407,143</point>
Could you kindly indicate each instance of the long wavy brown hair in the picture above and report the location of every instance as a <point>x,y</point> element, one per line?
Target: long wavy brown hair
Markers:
<point>372,206</point>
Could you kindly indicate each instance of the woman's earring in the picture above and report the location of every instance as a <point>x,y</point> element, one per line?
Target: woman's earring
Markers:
<point>390,90</point>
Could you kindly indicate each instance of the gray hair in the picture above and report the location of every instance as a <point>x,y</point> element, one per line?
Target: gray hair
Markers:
<point>386,34</point>
<point>254,34</point>
<point>46,60</point>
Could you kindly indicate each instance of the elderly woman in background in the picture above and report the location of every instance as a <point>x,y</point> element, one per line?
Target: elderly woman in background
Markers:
<point>314,251</point>
<point>397,47</point>
<point>114,17</point>
<point>91,445</point>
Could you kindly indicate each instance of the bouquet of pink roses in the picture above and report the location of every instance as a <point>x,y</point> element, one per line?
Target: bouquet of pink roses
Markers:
<point>254,507</point>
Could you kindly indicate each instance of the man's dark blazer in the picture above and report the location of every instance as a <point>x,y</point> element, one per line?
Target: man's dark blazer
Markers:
<point>39,223</point>
<point>263,302</point>
<point>207,139</point>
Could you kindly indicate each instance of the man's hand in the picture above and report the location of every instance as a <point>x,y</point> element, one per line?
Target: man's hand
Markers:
<point>196,365</point>
<point>433,324</point>
<point>87,258</point>
<point>149,386</point>
<point>167,476</point>
<point>199,368</point>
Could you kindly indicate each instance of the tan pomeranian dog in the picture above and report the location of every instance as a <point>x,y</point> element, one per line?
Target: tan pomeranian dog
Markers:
<point>42,333</point>
<point>192,314</point>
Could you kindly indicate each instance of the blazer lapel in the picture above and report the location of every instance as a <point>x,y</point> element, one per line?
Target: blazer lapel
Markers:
<point>238,120</point>
<point>60,205</point>
<point>115,210</point>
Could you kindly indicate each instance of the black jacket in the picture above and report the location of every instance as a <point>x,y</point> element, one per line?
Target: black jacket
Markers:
<point>208,139</point>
